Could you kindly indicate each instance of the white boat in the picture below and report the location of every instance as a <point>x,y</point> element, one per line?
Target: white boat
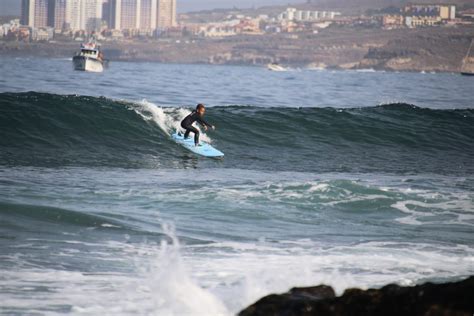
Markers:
<point>90,58</point>
<point>316,67</point>
<point>276,67</point>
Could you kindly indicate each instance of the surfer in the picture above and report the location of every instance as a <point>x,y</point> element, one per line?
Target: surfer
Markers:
<point>195,116</point>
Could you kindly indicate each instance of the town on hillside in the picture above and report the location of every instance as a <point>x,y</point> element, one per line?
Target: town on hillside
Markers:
<point>116,20</point>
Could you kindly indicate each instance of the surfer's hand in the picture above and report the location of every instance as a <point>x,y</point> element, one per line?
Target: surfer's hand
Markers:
<point>213,127</point>
<point>205,127</point>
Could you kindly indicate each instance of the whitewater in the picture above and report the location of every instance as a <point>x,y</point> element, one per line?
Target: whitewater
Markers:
<point>350,179</point>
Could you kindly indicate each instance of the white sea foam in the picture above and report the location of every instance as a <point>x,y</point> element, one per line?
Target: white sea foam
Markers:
<point>364,265</point>
<point>418,206</point>
<point>159,285</point>
<point>236,264</point>
<point>459,211</point>
<point>110,226</point>
<point>172,290</point>
<point>222,278</point>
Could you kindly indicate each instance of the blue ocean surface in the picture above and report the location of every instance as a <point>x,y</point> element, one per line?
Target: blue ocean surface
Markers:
<point>347,178</point>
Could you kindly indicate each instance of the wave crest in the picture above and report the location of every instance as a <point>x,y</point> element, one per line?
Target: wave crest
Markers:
<point>48,129</point>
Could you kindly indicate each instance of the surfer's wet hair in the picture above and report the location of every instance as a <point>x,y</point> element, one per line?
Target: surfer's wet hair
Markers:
<point>200,106</point>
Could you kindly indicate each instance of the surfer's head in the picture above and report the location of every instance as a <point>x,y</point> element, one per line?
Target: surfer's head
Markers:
<point>200,108</point>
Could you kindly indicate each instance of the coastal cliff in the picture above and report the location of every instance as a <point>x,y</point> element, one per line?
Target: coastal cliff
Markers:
<point>439,49</point>
<point>422,51</point>
<point>455,298</point>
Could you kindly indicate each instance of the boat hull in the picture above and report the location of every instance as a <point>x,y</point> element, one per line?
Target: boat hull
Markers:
<point>84,63</point>
<point>276,68</point>
<point>467,73</point>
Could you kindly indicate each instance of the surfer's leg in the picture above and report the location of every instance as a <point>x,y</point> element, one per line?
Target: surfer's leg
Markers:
<point>195,131</point>
<point>189,129</point>
<point>196,138</point>
<point>186,134</point>
<point>196,134</point>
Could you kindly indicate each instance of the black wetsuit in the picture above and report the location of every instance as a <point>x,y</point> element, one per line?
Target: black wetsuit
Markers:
<point>187,124</point>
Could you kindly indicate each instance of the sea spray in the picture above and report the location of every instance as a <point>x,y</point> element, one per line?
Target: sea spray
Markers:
<point>161,285</point>
<point>171,289</point>
<point>168,119</point>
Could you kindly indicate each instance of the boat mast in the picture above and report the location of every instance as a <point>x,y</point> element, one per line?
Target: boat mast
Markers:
<point>466,58</point>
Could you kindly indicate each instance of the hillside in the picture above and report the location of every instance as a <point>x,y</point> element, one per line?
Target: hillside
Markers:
<point>346,7</point>
<point>426,49</point>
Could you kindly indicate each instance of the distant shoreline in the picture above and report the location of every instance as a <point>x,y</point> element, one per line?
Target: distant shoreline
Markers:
<point>294,68</point>
<point>429,49</point>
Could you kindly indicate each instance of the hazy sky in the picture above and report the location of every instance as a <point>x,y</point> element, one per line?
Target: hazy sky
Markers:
<point>196,5</point>
<point>12,7</point>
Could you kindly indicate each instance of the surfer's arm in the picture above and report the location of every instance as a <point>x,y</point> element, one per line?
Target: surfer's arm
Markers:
<point>204,123</point>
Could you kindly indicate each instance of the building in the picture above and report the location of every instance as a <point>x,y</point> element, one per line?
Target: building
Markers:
<point>133,16</point>
<point>73,14</point>
<point>292,14</point>
<point>42,34</point>
<point>467,14</point>
<point>428,14</point>
<point>60,15</point>
<point>289,14</point>
<point>217,30</point>
<point>91,18</point>
<point>37,13</point>
<point>143,15</point>
<point>83,15</point>
<point>393,21</point>
<point>148,15</point>
<point>166,15</point>
<point>447,12</point>
<point>108,13</point>
<point>126,12</point>
<point>417,21</point>
<point>12,26</point>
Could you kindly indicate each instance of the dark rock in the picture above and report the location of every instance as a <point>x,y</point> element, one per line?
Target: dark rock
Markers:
<point>456,298</point>
<point>299,301</point>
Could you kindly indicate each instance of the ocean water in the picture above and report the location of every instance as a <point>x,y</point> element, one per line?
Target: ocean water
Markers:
<point>338,177</point>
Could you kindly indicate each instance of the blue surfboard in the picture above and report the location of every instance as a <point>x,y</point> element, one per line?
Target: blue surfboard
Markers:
<point>204,149</point>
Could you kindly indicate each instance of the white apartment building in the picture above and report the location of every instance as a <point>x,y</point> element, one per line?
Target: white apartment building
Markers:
<point>292,14</point>
<point>84,14</point>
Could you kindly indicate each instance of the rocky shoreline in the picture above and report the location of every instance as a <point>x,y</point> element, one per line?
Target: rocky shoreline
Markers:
<point>436,49</point>
<point>453,298</point>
